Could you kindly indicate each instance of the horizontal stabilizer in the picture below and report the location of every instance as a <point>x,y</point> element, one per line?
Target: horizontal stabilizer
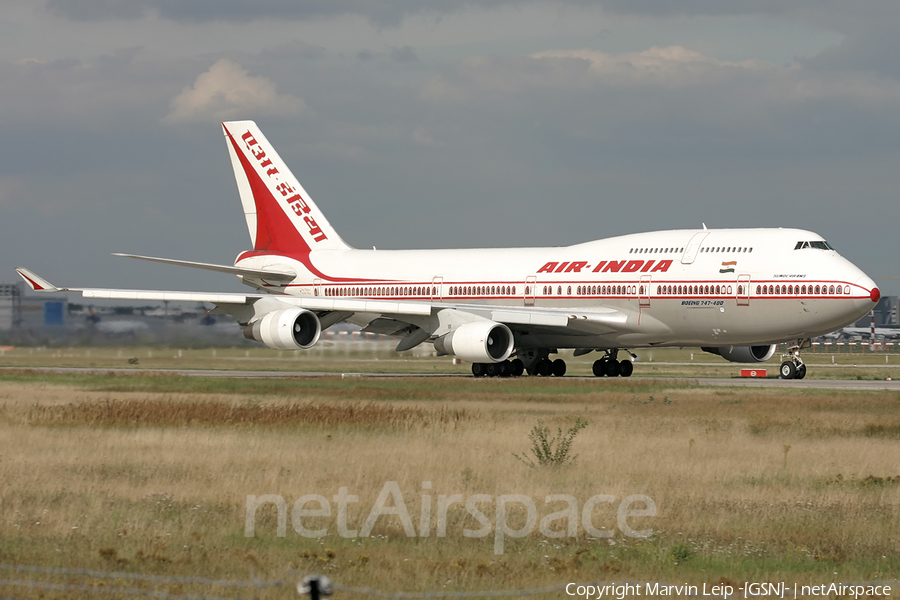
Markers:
<point>255,273</point>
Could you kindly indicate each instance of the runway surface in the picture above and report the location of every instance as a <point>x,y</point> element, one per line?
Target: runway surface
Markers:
<point>749,382</point>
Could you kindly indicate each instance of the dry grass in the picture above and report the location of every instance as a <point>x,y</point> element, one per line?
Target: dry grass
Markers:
<point>166,412</point>
<point>749,484</point>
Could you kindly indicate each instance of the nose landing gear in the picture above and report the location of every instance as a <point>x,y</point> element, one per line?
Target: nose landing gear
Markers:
<point>793,367</point>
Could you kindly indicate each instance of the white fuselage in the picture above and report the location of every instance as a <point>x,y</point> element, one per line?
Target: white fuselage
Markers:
<point>679,287</point>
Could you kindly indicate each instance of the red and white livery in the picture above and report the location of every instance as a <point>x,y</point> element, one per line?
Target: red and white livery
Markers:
<point>732,292</point>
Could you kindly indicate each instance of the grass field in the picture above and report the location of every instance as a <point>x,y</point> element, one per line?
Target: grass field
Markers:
<point>150,473</point>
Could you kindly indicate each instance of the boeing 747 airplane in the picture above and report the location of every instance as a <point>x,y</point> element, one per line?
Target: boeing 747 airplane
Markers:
<point>732,292</point>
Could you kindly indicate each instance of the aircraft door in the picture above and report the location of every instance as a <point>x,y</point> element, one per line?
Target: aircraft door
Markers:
<point>644,290</point>
<point>437,289</point>
<point>530,286</point>
<point>743,290</point>
<point>693,247</point>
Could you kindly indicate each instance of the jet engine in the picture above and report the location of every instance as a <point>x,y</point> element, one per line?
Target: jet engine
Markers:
<point>479,342</point>
<point>742,354</point>
<point>288,329</point>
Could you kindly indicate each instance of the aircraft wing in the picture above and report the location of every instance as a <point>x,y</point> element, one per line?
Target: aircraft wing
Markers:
<point>313,303</point>
<point>597,320</point>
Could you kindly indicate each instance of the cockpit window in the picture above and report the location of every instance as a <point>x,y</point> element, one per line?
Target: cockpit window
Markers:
<point>819,245</point>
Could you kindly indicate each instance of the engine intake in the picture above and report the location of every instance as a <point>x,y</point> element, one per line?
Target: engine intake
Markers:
<point>289,329</point>
<point>481,342</point>
<point>742,354</point>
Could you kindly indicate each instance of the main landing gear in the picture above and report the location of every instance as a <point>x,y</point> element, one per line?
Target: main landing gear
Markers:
<point>538,362</point>
<point>793,367</point>
<point>535,362</point>
<point>610,366</point>
<point>507,368</point>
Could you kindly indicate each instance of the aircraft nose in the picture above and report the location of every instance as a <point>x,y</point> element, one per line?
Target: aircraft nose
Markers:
<point>867,302</point>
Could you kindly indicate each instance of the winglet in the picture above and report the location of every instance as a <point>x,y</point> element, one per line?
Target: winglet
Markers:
<point>37,283</point>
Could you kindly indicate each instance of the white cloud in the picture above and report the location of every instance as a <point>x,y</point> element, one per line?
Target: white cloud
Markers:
<point>671,65</point>
<point>670,69</point>
<point>228,91</point>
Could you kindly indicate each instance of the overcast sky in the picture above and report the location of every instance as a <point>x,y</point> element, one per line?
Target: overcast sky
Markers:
<point>443,123</point>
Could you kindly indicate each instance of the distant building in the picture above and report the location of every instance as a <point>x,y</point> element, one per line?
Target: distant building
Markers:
<point>10,305</point>
<point>32,313</point>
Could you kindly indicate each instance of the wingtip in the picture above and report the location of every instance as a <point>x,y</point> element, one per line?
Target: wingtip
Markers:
<point>36,282</point>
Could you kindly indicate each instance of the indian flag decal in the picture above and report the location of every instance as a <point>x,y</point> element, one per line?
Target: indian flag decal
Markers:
<point>728,267</point>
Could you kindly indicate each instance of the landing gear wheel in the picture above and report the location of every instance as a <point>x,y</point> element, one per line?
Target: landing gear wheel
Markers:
<point>599,367</point>
<point>545,368</point>
<point>788,370</point>
<point>504,369</point>
<point>558,367</point>
<point>517,367</point>
<point>478,369</point>
<point>801,372</point>
<point>492,369</point>
<point>612,368</point>
<point>626,368</point>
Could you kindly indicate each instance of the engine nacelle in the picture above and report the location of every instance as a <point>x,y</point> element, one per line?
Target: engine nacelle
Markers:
<point>288,329</point>
<point>482,341</point>
<point>742,354</point>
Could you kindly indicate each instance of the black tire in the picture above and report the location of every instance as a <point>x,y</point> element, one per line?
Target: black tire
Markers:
<point>504,369</point>
<point>801,372</point>
<point>492,369</point>
<point>545,368</point>
<point>478,369</point>
<point>558,367</point>
<point>612,368</point>
<point>788,370</point>
<point>599,367</point>
<point>626,368</point>
<point>518,367</point>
